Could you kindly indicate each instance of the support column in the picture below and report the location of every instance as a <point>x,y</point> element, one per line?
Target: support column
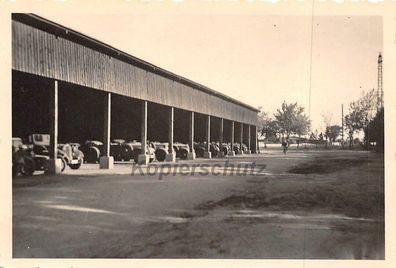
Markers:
<point>54,165</point>
<point>207,153</point>
<point>191,154</point>
<point>221,133</point>
<point>143,158</point>
<point>171,156</point>
<point>255,143</point>
<point>106,161</point>
<point>248,140</point>
<point>241,138</point>
<point>231,152</point>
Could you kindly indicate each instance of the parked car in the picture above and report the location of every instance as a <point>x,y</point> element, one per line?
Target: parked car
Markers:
<point>244,148</point>
<point>181,150</point>
<point>69,153</point>
<point>199,148</point>
<point>214,149</point>
<point>126,150</point>
<point>27,158</point>
<point>92,150</point>
<point>137,149</point>
<point>225,148</point>
<point>39,145</point>
<point>22,158</point>
<point>117,149</point>
<point>236,148</point>
<point>161,150</point>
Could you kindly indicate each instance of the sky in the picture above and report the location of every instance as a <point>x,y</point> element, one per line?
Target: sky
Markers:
<point>258,59</point>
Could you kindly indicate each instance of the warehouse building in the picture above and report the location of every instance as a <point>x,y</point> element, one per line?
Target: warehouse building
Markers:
<point>77,88</point>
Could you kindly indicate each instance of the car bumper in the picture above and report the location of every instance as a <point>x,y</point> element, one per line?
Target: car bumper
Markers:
<point>74,161</point>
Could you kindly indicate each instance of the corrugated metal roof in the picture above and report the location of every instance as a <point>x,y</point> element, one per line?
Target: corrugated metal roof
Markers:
<point>74,36</point>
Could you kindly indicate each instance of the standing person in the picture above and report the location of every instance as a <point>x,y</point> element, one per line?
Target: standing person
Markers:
<point>284,145</point>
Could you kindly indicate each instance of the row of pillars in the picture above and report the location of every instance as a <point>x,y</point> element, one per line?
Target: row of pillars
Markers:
<point>171,157</point>
<point>106,161</point>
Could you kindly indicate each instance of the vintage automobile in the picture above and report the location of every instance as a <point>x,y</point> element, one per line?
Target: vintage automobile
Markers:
<point>214,149</point>
<point>181,150</point>
<point>27,158</point>
<point>22,158</point>
<point>92,150</point>
<point>237,148</point>
<point>137,149</point>
<point>120,150</point>
<point>200,148</point>
<point>225,148</point>
<point>126,149</point>
<point>161,150</point>
<point>69,153</point>
<point>244,148</point>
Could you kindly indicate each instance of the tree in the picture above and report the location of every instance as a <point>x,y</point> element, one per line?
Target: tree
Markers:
<point>301,126</point>
<point>270,130</point>
<point>320,136</point>
<point>375,130</point>
<point>361,112</point>
<point>327,117</point>
<point>290,118</point>
<point>332,132</point>
<point>313,136</point>
<point>261,117</point>
<point>267,126</point>
<point>327,121</point>
<point>352,125</point>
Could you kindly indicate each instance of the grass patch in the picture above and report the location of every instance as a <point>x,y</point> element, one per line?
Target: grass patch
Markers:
<point>351,186</point>
<point>327,165</point>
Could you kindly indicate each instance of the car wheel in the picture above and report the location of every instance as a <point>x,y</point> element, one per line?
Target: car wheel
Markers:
<point>160,155</point>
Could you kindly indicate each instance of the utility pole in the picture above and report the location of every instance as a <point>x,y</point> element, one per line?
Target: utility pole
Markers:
<point>380,91</point>
<point>342,125</point>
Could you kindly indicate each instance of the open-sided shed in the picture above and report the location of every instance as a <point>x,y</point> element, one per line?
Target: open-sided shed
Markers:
<point>61,59</point>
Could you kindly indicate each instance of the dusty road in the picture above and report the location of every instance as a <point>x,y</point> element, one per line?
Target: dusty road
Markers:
<point>311,204</point>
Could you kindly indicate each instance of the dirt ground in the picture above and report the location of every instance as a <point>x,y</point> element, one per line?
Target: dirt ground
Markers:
<point>307,204</point>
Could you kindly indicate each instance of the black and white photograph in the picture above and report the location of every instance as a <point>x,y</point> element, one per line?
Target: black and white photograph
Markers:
<point>198,135</point>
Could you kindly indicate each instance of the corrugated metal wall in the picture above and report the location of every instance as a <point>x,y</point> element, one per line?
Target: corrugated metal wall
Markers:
<point>38,52</point>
